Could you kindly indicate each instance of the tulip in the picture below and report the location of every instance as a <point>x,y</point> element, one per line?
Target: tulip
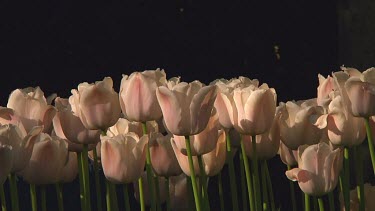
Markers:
<point>124,126</point>
<point>96,104</point>
<point>138,95</point>
<point>163,158</point>
<point>186,107</point>
<point>255,109</point>
<point>214,161</point>
<point>202,142</point>
<point>70,169</point>
<point>369,191</point>
<point>326,86</point>
<point>68,126</point>
<point>32,108</point>
<point>288,156</point>
<point>6,161</point>
<point>8,116</point>
<point>297,123</point>
<point>123,157</point>
<point>361,92</point>
<point>162,194</point>
<point>318,169</point>
<point>183,160</point>
<point>47,160</point>
<point>178,189</point>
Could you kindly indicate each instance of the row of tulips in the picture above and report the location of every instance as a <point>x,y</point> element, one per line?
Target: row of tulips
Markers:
<point>169,137</point>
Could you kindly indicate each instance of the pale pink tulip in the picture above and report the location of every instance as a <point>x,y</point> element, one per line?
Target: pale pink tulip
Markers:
<point>124,126</point>
<point>326,86</point>
<point>214,161</point>
<point>32,108</point>
<point>8,116</point>
<point>70,169</point>
<point>138,95</point>
<point>163,158</point>
<point>318,169</point>
<point>255,109</point>
<point>297,123</point>
<point>70,127</point>
<point>202,142</point>
<point>96,104</point>
<point>6,161</point>
<point>47,160</point>
<point>161,196</point>
<point>183,160</point>
<point>288,156</point>
<point>123,157</point>
<point>186,107</point>
<point>369,191</point>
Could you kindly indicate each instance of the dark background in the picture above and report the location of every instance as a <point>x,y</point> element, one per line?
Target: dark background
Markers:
<point>59,44</point>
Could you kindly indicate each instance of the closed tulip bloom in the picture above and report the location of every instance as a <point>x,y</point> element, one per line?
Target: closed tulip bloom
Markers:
<point>123,157</point>
<point>96,104</point>
<point>214,161</point>
<point>297,123</point>
<point>161,195</point>
<point>186,107</point>
<point>6,161</point>
<point>361,92</point>
<point>47,160</point>
<point>255,109</point>
<point>267,144</point>
<point>178,192</point>
<point>32,108</point>
<point>163,159</point>
<point>288,156</point>
<point>70,127</point>
<point>326,86</point>
<point>343,128</point>
<point>22,144</point>
<point>138,95</point>
<point>369,192</point>
<point>318,169</point>
<point>202,142</point>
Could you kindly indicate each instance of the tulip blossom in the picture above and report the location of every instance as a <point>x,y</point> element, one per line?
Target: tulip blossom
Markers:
<point>343,128</point>
<point>202,142</point>
<point>183,160</point>
<point>326,86</point>
<point>32,108</point>
<point>288,156</point>
<point>124,126</point>
<point>186,107</point>
<point>6,161</point>
<point>297,123</point>
<point>47,160</point>
<point>70,169</point>
<point>162,195</point>
<point>361,92</point>
<point>163,158</point>
<point>138,95</point>
<point>214,161</point>
<point>318,169</point>
<point>369,193</point>
<point>123,157</point>
<point>96,104</point>
<point>68,126</point>
<point>255,109</point>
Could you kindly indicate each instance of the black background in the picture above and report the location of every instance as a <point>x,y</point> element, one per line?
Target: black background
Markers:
<point>59,44</point>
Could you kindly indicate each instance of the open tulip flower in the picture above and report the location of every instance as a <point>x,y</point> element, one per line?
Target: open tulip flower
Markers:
<point>186,107</point>
<point>297,123</point>
<point>318,169</point>
<point>70,127</point>
<point>138,95</point>
<point>124,126</point>
<point>47,160</point>
<point>96,104</point>
<point>32,108</point>
<point>123,157</point>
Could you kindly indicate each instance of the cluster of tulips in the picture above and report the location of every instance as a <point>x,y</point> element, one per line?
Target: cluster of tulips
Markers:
<point>167,137</point>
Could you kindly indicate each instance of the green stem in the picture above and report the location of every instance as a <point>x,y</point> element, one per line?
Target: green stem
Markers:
<point>292,192</point>
<point>85,168</point>
<point>108,195</point>
<point>307,202</point>
<point>243,183</point>
<point>97,182</point>
<point>315,203</point>
<point>34,203</point>
<point>168,196</point>
<point>346,184</point>
<point>269,186</point>
<point>232,176</point>
<point>248,176</point>
<point>157,190</point>
<point>221,194</point>
<point>203,177</point>
<point>2,196</point>
<point>81,182</point>
<point>14,191</point>
<point>321,204</point>
<point>256,174</point>
<point>113,196</point>
<point>370,143</point>
<point>192,175</point>
<point>44,200</point>
<point>190,193</point>
<point>331,201</point>
<point>264,187</point>
<point>359,177</point>
<point>59,194</point>
<point>126,197</point>
<point>150,174</point>
<point>141,194</point>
